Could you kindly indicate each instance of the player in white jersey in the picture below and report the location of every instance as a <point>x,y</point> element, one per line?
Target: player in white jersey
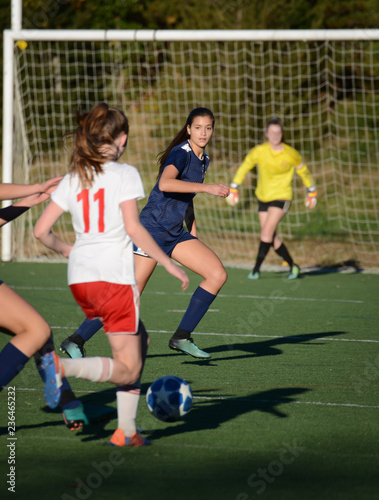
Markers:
<point>31,334</point>
<point>101,196</point>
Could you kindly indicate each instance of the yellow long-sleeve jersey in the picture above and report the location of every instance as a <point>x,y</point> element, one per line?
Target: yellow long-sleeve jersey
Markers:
<point>275,171</point>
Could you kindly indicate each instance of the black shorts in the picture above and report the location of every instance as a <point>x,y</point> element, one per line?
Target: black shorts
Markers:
<point>263,206</point>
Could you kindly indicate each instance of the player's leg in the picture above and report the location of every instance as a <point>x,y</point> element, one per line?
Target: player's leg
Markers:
<point>263,248</point>
<point>119,307</point>
<point>282,250</point>
<point>124,370</point>
<point>269,221</point>
<point>143,269</point>
<point>131,351</point>
<point>29,329</point>
<point>196,256</point>
<point>75,413</point>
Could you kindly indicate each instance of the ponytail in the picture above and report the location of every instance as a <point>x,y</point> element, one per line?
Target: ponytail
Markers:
<point>94,141</point>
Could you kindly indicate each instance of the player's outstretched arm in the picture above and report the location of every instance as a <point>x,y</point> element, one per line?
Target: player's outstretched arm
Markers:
<point>142,239</point>
<point>43,230</point>
<point>12,191</point>
<point>169,183</point>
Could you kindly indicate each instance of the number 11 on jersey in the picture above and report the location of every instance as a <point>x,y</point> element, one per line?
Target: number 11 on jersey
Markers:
<point>83,196</point>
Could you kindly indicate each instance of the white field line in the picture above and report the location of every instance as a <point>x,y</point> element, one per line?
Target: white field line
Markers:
<point>268,336</point>
<point>250,335</point>
<point>243,335</point>
<point>224,398</point>
<point>221,295</point>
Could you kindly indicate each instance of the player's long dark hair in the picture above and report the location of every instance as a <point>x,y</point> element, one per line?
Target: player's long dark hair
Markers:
<point>94,141</point>
<point>182,135</point>
<point>276,121</point>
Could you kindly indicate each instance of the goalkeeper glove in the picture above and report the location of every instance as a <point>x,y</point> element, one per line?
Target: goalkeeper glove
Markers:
<point>233,197</point>
<point>311,200</point>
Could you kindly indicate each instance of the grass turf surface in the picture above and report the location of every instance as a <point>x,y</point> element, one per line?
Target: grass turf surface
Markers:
<point>287,408</point>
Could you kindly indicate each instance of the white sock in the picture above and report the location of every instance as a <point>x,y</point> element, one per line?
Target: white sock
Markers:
<point>127,407</point>
<point>95,369</point>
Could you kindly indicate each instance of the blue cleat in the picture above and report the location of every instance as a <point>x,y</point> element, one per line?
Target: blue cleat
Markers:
<point>188,347</point>
<point>52,368</point>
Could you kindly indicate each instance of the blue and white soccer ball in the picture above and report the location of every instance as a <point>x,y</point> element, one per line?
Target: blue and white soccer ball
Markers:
<point>169,398</point>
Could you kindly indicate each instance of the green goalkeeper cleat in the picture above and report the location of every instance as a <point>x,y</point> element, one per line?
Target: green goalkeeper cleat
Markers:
<point>72,349</point>
<point>76,418</point>
<point>295,271</point>
<point>187,346</point>
<point>254,276</point>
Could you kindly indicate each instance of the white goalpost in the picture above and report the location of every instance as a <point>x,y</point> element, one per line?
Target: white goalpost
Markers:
<point>323,84</point>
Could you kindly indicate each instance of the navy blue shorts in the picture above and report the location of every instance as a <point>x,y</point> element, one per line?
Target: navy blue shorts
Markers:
<point>263,206</point>
<point>167,245</point>
<point>1,281</point>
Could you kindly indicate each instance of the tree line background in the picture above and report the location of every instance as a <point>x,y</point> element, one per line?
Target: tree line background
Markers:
<point>192,14</point>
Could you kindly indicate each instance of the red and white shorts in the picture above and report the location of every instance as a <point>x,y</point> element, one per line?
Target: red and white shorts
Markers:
<point>116,305</point>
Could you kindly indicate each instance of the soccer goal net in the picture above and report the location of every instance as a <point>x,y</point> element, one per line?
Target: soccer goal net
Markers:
<point>324,86</point>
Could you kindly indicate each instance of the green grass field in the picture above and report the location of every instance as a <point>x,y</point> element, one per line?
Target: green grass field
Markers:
<point>287,408</point>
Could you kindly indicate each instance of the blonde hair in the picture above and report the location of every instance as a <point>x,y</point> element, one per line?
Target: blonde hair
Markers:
<point>94,141</point>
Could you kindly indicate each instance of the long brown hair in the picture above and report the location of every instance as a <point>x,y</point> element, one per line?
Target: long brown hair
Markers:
<point>182,135</point>
<point>94,141</point>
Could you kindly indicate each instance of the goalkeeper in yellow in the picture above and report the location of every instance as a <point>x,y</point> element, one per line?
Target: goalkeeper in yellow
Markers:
<point>276,163</point>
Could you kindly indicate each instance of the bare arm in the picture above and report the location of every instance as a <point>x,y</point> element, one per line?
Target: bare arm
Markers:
<point>142,238</point>
<point>11,191</point>
<point>13,211</point>
<point>43,230</point>
<point>170,184</point>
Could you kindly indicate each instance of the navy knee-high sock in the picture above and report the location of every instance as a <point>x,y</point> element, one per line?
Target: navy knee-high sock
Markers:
<point>12,361</point>
<point>198,306</point>
<point>88,329</point>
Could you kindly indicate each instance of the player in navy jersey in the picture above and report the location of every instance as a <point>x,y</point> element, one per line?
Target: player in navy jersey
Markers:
<point>182,169</point>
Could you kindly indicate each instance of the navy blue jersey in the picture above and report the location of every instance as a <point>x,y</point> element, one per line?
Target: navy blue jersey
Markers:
<point>164,213</point>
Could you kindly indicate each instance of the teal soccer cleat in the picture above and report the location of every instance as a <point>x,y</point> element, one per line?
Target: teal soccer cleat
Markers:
<point>187,346</point>
<point>254,276</point>
<point>76,418</point>
<point>72,349</point>
<point>295,271</point>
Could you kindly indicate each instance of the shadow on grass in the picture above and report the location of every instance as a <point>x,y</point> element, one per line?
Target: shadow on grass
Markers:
<point>94,431</point>
<point>210,414</point>
<point>269,347</point>
<point>254,349</point>
<point>349,266</point>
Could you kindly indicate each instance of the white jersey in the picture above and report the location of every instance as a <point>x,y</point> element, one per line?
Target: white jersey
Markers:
<point>103,251</point>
